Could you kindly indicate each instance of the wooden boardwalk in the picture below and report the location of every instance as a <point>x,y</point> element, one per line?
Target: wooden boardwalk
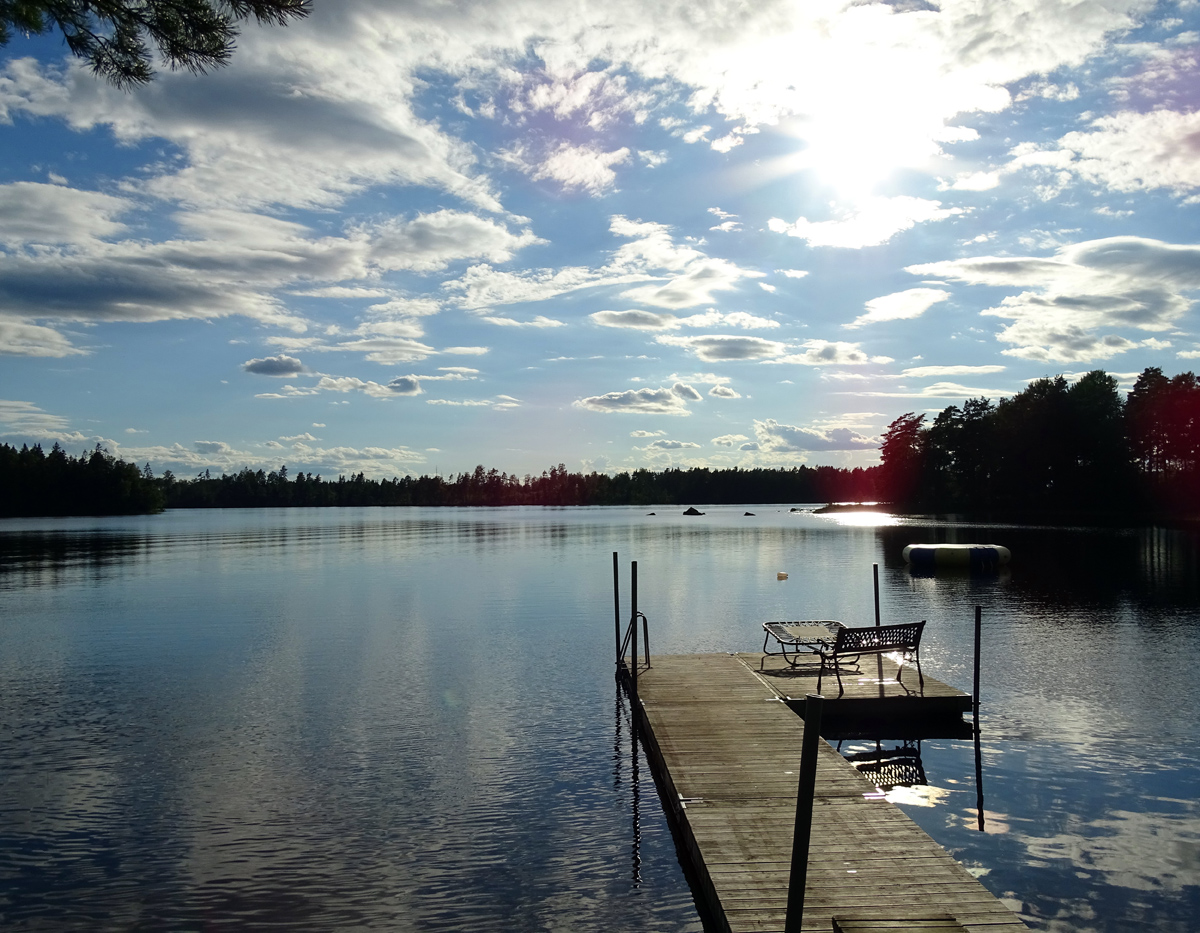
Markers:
<point>725,748</point>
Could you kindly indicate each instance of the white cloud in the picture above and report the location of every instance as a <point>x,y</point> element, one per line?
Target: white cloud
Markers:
<point>429,242</point>
<point>773,437</point>
<point>539,322</point>
<point>586,167</point>
<point>922,372</point>
<point>639,320</point>
<point>793,273</point>
<point>281,365</point>
<point>831,353</point>
<point>694,287</point>
<point>401,385</point>
<point>653,320</point>
<point>873,222</point>
<point>729,440</point>
<point>938,390</point>
<point>234,266</point>
<point>1132,151</point>
<point>720,391</point>
<point>28,419</point>
<point>714,348</point>
<point>653,158</point>
<point>647,401</point>
<point>1075,301</point>
<point>974,181</point>
<point>646,433</point>
<point>18,338</point>
<point>497,403</point>
<point>330,461</point>
<point>52,214</point>
<point>905,305</point>
<point>212,447</point>
<point>664,444</point>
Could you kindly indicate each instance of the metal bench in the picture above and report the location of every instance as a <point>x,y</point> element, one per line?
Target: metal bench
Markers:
<point>852,643</point>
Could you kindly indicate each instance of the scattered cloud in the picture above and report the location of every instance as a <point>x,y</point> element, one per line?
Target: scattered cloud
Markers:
<point>869,224</point>
<point>647,401</point>
<point>905,305</point>
<point>939,390</point>
<point>281,365</point>
<point>714,348</point>
<point>539,322</point>
<point>831,353</point>
<point>922,372</point>
<point>664,444</point>
<point>28,419</point>
<point>654,320</point>
<point>1134,151</point>
<point>1075,302</point>
<point>20,338</point>
<point>773,437</point>
<point>496,403</point>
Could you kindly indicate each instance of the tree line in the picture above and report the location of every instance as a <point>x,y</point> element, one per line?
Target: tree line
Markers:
<point>1053,448</point>
<point>35,483</point>
<point>556,486</point>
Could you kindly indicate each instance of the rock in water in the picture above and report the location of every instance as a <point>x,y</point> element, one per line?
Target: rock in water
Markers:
<point>692,511</point>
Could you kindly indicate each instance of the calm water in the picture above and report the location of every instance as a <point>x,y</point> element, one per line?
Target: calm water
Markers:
<point>406,719</point>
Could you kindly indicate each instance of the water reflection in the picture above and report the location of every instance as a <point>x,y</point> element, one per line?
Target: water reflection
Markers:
<point>889,767</point>
<point>400,718</point>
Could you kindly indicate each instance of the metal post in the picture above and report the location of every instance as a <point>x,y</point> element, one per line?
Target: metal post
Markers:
<point>975,688</point>
<point>975,709</point>
<point>634,626</point>
<point>617,608</point>
<point>805,791</point>
<point>875,574</point>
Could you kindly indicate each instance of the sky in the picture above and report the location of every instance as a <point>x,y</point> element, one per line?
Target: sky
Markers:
<point>413,237</point>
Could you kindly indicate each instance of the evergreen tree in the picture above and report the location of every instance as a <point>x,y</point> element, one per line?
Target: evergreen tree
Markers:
<point>114,36</point>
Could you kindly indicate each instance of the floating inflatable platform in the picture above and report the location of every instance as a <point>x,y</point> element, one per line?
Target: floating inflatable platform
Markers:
<point>980,557</point>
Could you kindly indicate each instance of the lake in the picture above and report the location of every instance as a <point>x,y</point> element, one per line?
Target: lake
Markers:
<point>406,719</point>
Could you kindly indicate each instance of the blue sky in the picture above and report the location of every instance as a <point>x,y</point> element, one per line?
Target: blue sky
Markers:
<point>414,237</point>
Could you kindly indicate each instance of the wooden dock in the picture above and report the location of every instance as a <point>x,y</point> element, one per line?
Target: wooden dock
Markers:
<point>725,748</point>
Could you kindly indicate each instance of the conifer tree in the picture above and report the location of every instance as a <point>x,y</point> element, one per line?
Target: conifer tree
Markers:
<point>114,36</point>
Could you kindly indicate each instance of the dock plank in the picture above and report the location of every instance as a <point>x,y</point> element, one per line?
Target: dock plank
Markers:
<point>725,747</point>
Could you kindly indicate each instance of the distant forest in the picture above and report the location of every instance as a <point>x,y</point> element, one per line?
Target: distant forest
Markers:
<point>1054,448</point>
<point>35,483</point>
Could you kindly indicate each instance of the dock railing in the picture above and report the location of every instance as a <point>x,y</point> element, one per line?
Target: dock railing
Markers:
<point>629,642</point>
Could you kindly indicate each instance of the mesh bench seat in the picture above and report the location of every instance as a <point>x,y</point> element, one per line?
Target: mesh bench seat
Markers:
<point>796,639</point>
<point>850,644</point>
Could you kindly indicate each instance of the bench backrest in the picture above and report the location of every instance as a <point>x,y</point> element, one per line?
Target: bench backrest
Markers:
<point>879,638</point>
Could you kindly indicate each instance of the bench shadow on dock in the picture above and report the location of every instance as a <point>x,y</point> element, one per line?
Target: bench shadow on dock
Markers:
<point>723,739</point>
<point>874,702</point>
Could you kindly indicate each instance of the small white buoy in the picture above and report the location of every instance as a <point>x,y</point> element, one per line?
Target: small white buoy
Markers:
<point>782,575</point>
